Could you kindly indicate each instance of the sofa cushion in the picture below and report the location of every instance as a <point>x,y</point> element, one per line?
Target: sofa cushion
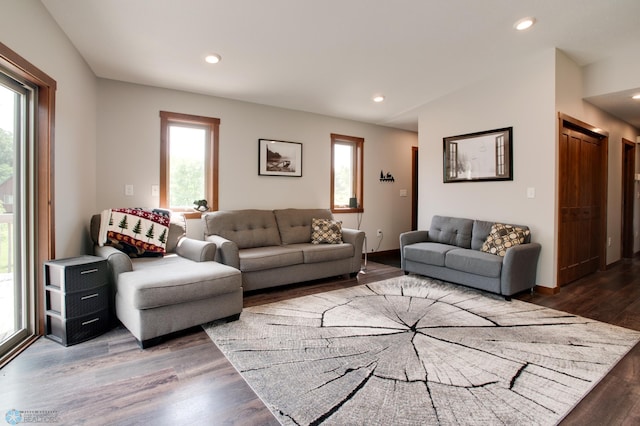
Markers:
<point>451,230</point>
<point>502,237</point>
<point>295,224</point>
<point>247,228</point>
<point>261,258</point>
<point>316,253</point>
<point>326,231</point>
<point>428,253</point>
<point>474,262</point>
<point>172,280</point>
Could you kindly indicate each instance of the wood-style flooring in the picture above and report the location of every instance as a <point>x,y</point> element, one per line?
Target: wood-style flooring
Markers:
<point>186,380</point>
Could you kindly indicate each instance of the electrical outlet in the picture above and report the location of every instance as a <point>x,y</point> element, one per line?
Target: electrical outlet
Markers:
<point>155,190</point>
<point>128,189</point>
<point>379,233</point>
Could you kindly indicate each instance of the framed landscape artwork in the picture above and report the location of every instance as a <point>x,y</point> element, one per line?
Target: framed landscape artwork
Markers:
<point>279,158</point>
<point>480,156</point>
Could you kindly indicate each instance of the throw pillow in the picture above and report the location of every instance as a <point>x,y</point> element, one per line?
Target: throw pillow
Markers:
<point>502,237</point>
<point>326,231</point>
<point>134,231</point>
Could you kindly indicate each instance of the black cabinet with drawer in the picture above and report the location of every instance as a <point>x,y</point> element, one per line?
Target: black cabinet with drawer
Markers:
<point>77,299</point>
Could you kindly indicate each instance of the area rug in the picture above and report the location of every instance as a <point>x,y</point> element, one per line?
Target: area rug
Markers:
<point>411,350</point>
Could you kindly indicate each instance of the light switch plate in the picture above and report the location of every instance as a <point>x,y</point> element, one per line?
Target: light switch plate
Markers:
<point>128,189</point>
<point>155,190</point>
<point>531,192</point>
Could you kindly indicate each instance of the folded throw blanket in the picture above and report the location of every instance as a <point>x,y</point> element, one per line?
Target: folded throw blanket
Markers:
<point>137,232</point>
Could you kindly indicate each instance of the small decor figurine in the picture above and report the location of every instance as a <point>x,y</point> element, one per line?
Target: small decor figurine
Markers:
<point>201,205</point>
<point>386,178</point>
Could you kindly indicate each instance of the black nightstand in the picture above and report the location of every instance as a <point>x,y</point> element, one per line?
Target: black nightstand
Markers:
<point>77,298</point>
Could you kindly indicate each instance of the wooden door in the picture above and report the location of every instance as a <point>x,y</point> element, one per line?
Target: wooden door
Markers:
<point>628,170</point>
<point>582,200</point>
<point>414,188</point>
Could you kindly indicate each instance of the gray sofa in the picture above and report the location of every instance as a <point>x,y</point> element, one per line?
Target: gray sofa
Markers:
<point>156,296</point>
<point>273,247</point>
<point>451,251</point>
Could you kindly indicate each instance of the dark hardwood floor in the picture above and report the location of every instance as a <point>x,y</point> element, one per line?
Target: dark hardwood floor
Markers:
<point>186,380</point>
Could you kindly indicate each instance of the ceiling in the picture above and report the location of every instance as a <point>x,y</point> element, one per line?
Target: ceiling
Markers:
<point>331,57</point>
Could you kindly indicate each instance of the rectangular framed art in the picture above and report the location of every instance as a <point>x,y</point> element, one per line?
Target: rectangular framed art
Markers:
<point>279,158</point>
<point>480,156</point>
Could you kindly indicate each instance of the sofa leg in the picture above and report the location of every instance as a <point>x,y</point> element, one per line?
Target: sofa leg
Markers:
<point>507,298</point>
<point>144,344</point>
<point>232,318</point>
<point>406,272</point>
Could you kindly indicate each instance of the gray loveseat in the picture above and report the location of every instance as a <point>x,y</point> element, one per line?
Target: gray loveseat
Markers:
<point>451,251</point>
<point>273,247</point>
<point>156,296</point>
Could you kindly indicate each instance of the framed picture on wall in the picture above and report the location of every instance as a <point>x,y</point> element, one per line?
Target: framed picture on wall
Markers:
<point>480,156</point>
<point>279,158</point>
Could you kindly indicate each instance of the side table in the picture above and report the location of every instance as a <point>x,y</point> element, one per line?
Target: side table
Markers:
<point>77,299</point>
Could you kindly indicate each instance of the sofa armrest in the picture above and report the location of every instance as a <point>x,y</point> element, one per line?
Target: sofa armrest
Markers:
<point>408,238</point>
<point>354,237</point>
<point>519,268</point>
<point>227,251</point>
<point>196,250</point>
<point>118,261</point>
<point>413,237</point>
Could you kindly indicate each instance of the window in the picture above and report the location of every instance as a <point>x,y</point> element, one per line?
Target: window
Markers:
<point>188,160</point>
<point>346,174</point>
<point>27,108</point>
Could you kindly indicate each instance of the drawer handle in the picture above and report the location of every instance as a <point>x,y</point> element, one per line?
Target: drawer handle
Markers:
<point>89,271</point>
<point>89,296</point>
<point>90,321</point>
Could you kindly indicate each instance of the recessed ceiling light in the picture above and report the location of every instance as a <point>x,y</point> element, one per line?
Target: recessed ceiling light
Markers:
<point>213,59</point>
<point>636,97</point>
<point>524,23</point>
<point>378,98</point>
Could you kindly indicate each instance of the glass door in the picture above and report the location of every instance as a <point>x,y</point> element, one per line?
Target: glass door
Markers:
<point>15,201</point>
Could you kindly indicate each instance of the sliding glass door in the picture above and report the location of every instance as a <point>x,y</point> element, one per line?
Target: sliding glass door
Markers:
<point>16,218</point>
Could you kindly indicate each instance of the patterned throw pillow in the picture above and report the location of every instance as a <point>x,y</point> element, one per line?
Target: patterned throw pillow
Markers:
<point>326,231</point>
<point>502,237</point>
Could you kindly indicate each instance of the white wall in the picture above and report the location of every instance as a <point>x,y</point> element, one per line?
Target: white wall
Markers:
<point>617,73</point>
<point>129,146</point>
<point>27,28</point>
<point>521,97</point>
<point>570,86</point>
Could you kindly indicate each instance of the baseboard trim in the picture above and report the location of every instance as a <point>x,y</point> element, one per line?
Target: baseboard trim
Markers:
<point>384,253</point>
<point>549,291</point>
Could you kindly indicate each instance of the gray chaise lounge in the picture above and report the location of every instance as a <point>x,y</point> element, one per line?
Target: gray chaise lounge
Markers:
<point>156,296</point>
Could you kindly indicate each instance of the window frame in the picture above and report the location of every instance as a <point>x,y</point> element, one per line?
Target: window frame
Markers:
<point>212,126</point>
<point>44,208</point>
<point>358,172</point>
